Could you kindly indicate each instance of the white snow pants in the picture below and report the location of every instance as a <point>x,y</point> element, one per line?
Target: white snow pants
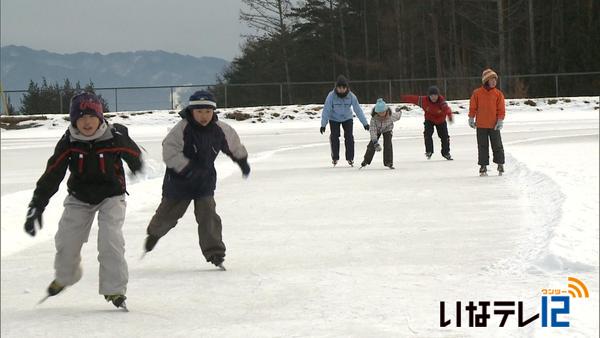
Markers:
<point>74,230</point>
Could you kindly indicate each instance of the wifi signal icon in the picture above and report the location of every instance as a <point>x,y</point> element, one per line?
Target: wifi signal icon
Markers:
<point>576,287</point>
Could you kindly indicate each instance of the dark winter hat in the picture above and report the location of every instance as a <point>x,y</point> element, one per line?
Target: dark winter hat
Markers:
<point>341,81</point>
<point>433,90</point>
<point>202,99</point>
<point>85,103</point>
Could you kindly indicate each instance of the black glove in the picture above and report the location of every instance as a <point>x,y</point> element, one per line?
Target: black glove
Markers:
<point>322,130</point>
<point>243,163</point>
<point>33,214</point>
<point>366,127</point>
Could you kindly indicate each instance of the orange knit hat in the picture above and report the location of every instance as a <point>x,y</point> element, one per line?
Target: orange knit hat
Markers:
<point>488,74</point>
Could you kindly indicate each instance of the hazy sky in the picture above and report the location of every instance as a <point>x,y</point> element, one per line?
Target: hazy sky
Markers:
<point>192,27</point>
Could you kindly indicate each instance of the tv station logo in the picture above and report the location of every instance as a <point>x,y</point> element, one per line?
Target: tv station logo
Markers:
<point>555,306</point>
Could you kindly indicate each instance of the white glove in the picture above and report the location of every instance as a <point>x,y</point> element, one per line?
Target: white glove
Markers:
<point>472,123</point>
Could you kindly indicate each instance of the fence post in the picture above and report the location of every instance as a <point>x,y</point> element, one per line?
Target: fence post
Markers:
<point>445,87</point>
<point>556,85</point>
<point>172,107</point>
<point>60,100</point>
<point>116,102</point>
<point>281,94</point>
<point>225,87</point>
<point>390,90</point>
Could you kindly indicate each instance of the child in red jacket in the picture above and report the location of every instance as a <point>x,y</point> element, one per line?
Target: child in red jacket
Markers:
<point>436,110</point>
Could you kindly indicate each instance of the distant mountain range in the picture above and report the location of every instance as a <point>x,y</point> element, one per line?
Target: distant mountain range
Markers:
<point>19,65</point>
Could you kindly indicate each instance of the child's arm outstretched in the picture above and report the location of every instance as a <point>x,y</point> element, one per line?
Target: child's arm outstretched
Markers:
<point>358,111</point>
<point>234,148</point>
<point>414,99</point>
<point>396,115</point>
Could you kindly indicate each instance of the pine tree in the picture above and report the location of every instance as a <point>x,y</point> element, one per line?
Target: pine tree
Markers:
<point>53,98</point>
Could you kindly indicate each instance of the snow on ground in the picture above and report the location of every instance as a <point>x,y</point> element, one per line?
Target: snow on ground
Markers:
<point>321,251</point>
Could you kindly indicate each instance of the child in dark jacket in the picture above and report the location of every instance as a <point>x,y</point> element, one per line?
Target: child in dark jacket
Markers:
<point>382,123</point>
<point>189,151</point>
<point>92,150</point>
<point>436,111</point>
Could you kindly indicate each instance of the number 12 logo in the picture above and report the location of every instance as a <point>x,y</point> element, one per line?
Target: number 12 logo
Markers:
<point>554,312</point>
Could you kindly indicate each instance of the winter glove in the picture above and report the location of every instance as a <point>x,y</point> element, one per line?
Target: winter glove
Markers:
<point>472,123</point>
<point>377,147</point>
<point>366,127</point>
<point>33,214</point>
<point>243,163</point>
<point>499,125</point>
<point>322,130</point>
<point>138,172</point>
<point>450,119</point>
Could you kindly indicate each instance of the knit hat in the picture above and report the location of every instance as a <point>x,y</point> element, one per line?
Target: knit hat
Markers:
<point>488,74</point>
<point>85,103</point>
<point>341,81</point>
<point>380,106</point>
<point>433,90</point>
<point>202,99</point>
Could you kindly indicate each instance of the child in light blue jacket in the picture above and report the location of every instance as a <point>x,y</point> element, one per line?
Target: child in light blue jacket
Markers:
<point>337,111</point>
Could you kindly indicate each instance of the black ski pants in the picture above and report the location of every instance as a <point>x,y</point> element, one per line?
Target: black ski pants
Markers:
<point>334,139</point>
<point>388,152</point>
<point>485,136</point>
<point>442,131</point>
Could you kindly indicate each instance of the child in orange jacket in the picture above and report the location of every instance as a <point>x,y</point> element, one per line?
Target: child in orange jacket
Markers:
<point>436,111</point>
<point>486,113</point>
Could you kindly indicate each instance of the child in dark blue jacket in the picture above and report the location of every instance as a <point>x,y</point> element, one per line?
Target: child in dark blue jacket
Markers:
<point>189,151</point>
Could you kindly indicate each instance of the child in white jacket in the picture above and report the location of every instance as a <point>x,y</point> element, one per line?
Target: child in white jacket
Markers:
<point>382,122</point>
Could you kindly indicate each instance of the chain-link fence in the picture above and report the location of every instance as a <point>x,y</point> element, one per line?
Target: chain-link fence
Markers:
<point>259,94</point>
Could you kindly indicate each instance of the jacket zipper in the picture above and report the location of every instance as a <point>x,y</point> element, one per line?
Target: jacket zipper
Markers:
<point>80,163</point>
<point>102,167</point>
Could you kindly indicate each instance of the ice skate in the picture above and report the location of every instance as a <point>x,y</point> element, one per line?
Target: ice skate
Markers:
<point>150,243</point>
<point>53,289</point>
<point>118,301</point>
<point>218,262</point>
<point>448,157</point>
<point>500,169</point>
<point>483,170</point>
